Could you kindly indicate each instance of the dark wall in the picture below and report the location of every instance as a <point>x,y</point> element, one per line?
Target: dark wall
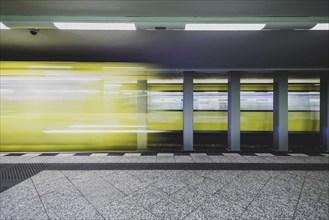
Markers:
<point>173,49</point>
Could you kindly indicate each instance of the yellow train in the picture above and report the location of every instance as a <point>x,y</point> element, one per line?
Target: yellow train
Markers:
<point>68,106</point>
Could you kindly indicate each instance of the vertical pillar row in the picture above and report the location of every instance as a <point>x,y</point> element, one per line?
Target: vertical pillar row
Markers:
<point>142,114</point>
<point>324,112</point>
<point>280,111</point>
<point>188,111</point>
<point>234,111</point>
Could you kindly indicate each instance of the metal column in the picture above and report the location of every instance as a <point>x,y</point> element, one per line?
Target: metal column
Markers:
<point>234,111</point>
<point>280,111</point>
<point>324,112</point>
<point>142,114</point>
<point>188,111</point>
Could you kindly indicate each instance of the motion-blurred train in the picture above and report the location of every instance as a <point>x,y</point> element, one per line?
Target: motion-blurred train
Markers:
<point>68,106</point>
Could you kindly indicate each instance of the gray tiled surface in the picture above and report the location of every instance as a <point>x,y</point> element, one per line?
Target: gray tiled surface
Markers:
<point>166,158</point>
<point>169,194</point>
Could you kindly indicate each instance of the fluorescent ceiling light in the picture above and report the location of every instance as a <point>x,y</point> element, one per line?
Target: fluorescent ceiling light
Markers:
<point>321,26</point>
<point>94,26</point>
<point>224,27</point>
<point>3,27</point>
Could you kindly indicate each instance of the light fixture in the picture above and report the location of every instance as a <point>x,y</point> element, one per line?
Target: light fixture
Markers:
<point>94,26</point>
<point>321,27</point>
<point>3,27</point>
<point>224,27</point>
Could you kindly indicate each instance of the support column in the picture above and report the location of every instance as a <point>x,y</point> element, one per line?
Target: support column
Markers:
<point>324,112</point>
<point>142,114</point>
<point>280,111</point>
<point>234,111</point>
<point>188,111</point>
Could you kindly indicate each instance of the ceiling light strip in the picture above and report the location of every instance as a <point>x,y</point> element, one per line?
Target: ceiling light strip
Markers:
<point>3,26</point>
<point>94,26</point>
<point>224,27</point>
<point>321,27</point>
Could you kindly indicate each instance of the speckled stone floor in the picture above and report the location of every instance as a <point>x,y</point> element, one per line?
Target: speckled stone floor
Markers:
<point>169,194</point>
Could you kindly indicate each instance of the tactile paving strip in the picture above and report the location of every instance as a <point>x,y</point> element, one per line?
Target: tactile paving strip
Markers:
<point>12,175</point>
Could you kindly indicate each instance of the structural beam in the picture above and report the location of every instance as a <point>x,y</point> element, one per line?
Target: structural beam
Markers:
<point>234,111</point>
<point>188,111</point>
<point>280,111</point>
<point>142,113</point>
<point>324,112</point>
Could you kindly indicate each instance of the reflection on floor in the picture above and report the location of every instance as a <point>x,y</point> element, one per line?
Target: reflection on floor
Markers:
<point>169,194</point>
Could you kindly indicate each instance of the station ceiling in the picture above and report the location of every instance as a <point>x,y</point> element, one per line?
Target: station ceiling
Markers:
<point>285,48</point>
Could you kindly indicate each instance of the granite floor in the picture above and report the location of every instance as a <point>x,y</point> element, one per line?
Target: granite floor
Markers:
<point>169,194</point>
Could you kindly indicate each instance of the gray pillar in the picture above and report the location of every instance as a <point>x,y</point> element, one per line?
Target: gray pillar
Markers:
<point>142,114</point>
<point>188,111</point>
<point>280,111</point>
<point>324,112</point>
<point>234,111</point>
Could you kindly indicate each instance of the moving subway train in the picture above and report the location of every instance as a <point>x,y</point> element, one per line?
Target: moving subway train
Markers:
<point>70,106</point>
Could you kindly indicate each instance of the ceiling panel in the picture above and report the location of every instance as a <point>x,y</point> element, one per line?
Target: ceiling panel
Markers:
<point>165,8</point>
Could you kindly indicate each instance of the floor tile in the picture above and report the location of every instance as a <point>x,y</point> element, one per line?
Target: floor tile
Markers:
<point>309,209</point>
<point>54,159</point>
<point>24,191</point>
<point>110,159</point>
<point>255,159</point>
<point>183,159</point>
<point>123,208</point>
<point>129,159</point>
<point>222,176</point>
<point>165,159</point>
<point>47,176</point>
<point>99,155</point>
<point>144,215</point>
<point>191,196</point>
<point>219,159</point>
<point>318,175</point>
<point>80,176</point>
<point>31,208</point>
<point>147,159</point>
<point>169,209</point>
<point>64,208</point>
<point>237,159</point>
<point>235,196</point>
<point>198,214</point>
<point>298,155</point>
<point>316,190</point>
<point>99,192</point>
<point>207,185</point>
<point>165,154</point>
<point>277,196</point>
<point>220,209</point>
<point>264,154</point>
<point>31,155</point>
<point>39,159</point>
<point>148,196</point>
<point>132,154</point>
<point>231,154</point>
<point>168,185</point>
<point>130,185</point>
<point>265,209</point>
<point>201,158</point>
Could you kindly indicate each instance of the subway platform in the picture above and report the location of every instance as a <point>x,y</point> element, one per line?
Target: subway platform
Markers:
<point>164,186</point>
